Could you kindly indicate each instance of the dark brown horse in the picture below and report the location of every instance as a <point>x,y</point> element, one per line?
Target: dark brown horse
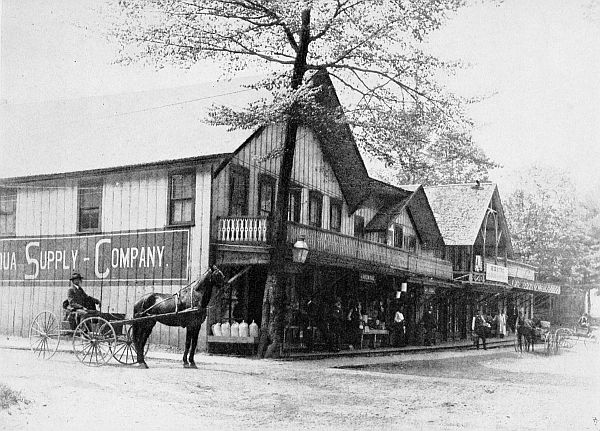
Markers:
<point>196,295</point>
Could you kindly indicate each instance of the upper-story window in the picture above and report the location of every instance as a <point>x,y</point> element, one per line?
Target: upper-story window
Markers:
<point>266,195</point>
<point>90,205</point>
<point>295,203</point>
<point>239,181</point>
<point>8,211</point>
<point>359,226</point>
<point>315,208</point>
<point>398,236</point>
<point>411,243</point>
<point>335,215</point>
<point>182,191</point>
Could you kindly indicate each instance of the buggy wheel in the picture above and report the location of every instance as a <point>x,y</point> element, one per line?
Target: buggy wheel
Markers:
<point>124,351</point>
<point>44,335</point>
<point>564,338</point>
<point>93,341</point>
<point>590,341</point>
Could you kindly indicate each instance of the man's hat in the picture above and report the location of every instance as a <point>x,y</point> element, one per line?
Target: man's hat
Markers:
<point>76,275</point>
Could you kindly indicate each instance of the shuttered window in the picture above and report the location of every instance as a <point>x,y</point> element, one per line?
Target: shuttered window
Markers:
<point>315,208</point>
<point>359,226</point>
<point>335,215</point>
<point>182,191</point>
<point>294,204</point>
<point>266,195</point>
<point>238,191</point>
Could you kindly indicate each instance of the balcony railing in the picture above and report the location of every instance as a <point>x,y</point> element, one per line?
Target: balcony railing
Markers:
<point>242,230</point>
<point>249,230</point>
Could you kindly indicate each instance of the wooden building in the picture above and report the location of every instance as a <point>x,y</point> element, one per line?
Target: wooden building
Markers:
<point>155,226</point>
<point>473,224</point>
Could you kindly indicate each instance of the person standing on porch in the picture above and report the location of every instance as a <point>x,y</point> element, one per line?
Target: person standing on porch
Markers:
<point>501,323</point>
<point>399,329</point>
<point>430,325</point>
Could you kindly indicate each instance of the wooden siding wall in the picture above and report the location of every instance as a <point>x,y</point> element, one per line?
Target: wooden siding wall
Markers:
<point>311,171</point>
<point>132,201</point>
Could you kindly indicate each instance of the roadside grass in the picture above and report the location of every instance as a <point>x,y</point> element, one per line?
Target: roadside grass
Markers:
<point>10,397</point>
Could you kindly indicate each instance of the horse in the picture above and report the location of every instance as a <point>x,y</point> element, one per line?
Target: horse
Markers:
<point>197,295</point>
<point>527,332</point>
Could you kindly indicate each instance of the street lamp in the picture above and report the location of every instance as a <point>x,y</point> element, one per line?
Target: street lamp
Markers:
<point>300,251</point>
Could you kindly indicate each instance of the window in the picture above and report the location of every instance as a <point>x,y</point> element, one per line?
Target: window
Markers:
<point>335,215</point>
<point>411,242</point>
<point>294,204</point>
<point>315,208</point>
<point>359,226</point>
<point>182,191</point>
<point>238,191</point>
<point>266,195</point>
<point>90,205</point>
<point>398,236</point>
<point>8,211</point>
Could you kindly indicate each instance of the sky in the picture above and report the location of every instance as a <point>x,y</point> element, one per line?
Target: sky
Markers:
<point>537,61</point>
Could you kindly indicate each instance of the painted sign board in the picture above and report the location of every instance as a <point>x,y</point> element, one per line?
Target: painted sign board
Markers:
<point>496,273</point>
<point>367,278</point>
<point>534,286</point>
<point>155,255</point>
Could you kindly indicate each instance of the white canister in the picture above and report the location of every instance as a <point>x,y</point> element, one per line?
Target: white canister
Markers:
<point>226,329</point>
<point>235,329</point>
<point>216,330</point>
<point>253,329</point>
<point>244,329</point>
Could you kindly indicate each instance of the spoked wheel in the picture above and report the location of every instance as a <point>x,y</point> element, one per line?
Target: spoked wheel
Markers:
<point>564,338</point>
<point>124,351</point>
<point>93,341</point>
<point>44,335</point>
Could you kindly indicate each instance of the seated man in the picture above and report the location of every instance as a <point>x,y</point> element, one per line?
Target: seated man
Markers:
<point>79,304</point>
<point>584,322</point>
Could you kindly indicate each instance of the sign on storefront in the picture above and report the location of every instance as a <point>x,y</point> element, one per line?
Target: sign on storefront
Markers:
<point>496,273</point>
<point>535,286</point>
<point>367,278</point>
<point>160,255</point>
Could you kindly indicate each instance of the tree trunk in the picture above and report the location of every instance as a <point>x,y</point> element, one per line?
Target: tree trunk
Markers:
<point>274,296</point>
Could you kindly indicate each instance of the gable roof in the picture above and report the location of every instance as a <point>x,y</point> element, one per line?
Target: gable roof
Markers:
<point>337,144</point>
<point>396,199</point>
<point>460,210</point>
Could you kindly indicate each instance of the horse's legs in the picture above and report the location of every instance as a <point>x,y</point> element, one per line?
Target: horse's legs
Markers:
<point>187,348</point>
<point>193,332</point>
<point>141,332</point>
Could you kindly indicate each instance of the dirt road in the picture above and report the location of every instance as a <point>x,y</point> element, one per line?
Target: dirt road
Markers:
<point>497,389</point>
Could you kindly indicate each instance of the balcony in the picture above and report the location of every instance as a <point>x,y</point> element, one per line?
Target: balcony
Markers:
<point>250,235</point>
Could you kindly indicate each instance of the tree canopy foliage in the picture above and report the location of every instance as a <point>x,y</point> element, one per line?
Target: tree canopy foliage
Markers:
<point>554,229</point>
<point>372,50</point>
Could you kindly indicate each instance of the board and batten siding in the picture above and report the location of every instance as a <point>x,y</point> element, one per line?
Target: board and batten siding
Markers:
<point>262,155</point>
<point>135,207</point>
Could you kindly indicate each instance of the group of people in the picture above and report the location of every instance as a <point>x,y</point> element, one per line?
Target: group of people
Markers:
<point>482,327</point>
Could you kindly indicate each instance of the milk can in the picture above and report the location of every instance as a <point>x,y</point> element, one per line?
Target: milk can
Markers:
<point>253,329</point>
<point>216,330</point>
<point>235,329</point>
<point>226,329</point>
<point>244,329</point>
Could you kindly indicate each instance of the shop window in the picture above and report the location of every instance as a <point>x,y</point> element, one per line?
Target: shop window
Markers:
<point>8,211</point>
<point>266,195</point>
<point>294,204</point>
<point>90,205</point>
<point>359,226</point>
<point>315,208</point>
<point>398,236</point>
<point>182,186</point>
<point>238,191</point>
<point>382,236</point>
<point>335,215</point>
